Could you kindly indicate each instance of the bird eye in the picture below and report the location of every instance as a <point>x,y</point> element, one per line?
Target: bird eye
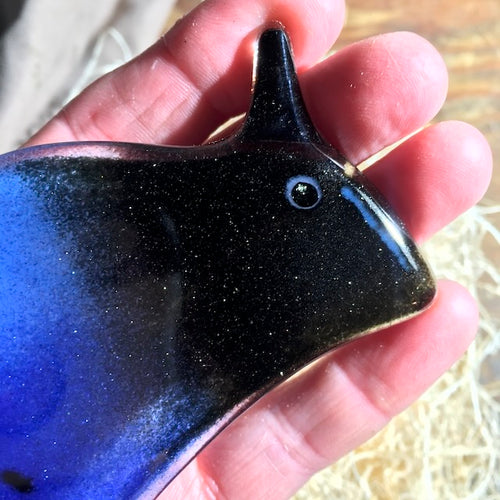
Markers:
<point>303,192</point>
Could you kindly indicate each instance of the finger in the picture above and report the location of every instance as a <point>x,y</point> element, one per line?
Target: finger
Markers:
<point>334,406</point>
<point>434,176</point>
<point>195,77</point>
<point>375,92</point>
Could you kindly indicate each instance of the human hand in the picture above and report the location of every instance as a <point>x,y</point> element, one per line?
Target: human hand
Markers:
<point>362,99</point>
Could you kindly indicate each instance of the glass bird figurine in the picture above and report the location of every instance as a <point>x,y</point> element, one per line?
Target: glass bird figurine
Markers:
<point>150,294</point>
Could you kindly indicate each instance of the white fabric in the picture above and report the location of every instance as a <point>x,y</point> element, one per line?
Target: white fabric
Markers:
<point>55,46</point>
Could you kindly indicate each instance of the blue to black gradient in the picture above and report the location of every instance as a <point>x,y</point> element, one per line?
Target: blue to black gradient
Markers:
<point>149,294</point>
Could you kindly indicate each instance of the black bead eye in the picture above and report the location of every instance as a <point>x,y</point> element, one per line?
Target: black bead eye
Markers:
<point>303,192</point>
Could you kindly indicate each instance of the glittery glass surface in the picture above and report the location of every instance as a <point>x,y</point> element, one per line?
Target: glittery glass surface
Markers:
<point>149,294</point>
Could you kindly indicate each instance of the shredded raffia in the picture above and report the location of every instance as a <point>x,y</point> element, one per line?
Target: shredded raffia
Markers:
<point>447,444</point>
<point>98,64</point>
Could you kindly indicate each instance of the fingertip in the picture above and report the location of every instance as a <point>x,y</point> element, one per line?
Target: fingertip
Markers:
<point>312,31</point>
<point>455,173</point>
<point>376,91</point>
<point>434,176</point>
<point>475,151</point>
<point>222,28</point>
<point>462,309</point>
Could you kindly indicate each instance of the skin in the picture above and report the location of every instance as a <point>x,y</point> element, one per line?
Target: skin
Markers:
<point>363,98</point>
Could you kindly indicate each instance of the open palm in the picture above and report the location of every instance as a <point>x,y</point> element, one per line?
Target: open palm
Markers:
<point>362,99</point>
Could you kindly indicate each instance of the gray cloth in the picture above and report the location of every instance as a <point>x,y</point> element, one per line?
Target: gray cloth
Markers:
<point>49,49</point>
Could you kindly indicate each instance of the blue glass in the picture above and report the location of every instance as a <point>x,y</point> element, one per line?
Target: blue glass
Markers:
<point>149,294</point>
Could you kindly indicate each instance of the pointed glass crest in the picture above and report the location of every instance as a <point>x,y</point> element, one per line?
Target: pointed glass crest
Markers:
<point>277,111</point>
